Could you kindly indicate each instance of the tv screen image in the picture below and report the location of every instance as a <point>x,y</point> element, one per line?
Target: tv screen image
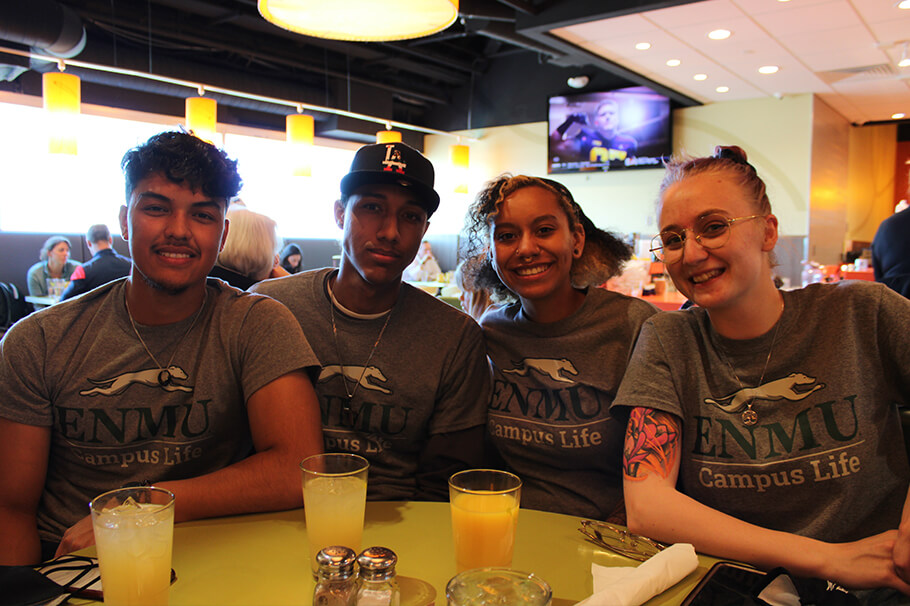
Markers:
<point>624,129</point>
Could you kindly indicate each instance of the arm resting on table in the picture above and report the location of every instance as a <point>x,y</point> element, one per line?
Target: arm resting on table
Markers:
<point>286,428</point>
<point>655,508</point>
<point>24,451</point>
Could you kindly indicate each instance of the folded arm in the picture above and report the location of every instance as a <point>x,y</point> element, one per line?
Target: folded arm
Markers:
<point>285,426</point>
<point>24,451</point>
<point>655,508</point>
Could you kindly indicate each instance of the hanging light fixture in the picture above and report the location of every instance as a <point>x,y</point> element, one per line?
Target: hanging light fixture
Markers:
<point>62,97</point>
<point>460,155</point>
<point>361,20</point>
<point>388,135</point>
<point>299,130</point>
<point>202,116</point>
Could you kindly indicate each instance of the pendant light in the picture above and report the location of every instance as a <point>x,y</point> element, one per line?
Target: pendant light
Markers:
<point>62,97</point>
<point>361,20</point>
<point>299,130</point>
<point>460,156</point>
<point>202,116</point>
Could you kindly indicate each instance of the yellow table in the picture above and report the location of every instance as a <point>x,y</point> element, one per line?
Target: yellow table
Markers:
<point>262,560</point>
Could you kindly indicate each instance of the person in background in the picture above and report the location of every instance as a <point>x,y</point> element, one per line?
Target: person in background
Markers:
<point>891,251</point>
<point>404,380</point>
<point>50,275</point>
<point>291,258</point>
<point>558,348</point>
<point>104,266</point>
<point>424,267</point>
<point>597,140</point>
<point>163,377</point>
<point>474,300</point>
<point>764,423</point>
<point>250,251</point>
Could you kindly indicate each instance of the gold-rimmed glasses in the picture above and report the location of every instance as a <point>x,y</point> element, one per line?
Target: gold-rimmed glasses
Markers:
<point>620,541</point>
<point>711,231</point>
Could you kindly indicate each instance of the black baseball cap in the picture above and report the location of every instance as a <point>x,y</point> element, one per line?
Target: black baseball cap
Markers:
<point>396,163</point>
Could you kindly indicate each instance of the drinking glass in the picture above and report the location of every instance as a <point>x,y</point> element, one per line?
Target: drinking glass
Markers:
<point>334,499</point>
<point>134,536</point>
<point>497,587</point>
<point>484,505</point>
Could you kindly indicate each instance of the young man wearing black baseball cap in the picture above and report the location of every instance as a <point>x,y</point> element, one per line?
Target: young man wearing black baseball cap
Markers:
<point>404,379</point>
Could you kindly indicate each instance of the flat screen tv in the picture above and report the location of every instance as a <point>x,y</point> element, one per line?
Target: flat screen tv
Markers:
<point>621,129</point>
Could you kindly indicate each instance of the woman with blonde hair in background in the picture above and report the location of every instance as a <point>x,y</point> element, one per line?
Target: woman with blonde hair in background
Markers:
<point>250,251</point>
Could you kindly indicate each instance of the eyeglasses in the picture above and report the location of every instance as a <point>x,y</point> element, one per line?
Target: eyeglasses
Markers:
<point>711,231</point>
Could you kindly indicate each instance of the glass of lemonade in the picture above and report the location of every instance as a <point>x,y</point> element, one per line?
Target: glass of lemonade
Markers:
<point>484,505</point>
<point>334,499</point>
<point>497,587</point>
<point>134,535</point>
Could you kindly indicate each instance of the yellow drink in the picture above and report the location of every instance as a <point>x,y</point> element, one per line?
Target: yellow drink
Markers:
<point>334,509</point>
<point>484,529</point>
<point>134,544</point>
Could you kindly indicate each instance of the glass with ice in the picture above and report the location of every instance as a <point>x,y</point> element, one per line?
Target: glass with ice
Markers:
<point>484,505</point>
<point>497,587</point>
<point>134,532</point>
<point>334,499</point>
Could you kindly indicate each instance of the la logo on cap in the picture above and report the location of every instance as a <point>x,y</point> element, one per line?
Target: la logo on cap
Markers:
<point>393,161</point>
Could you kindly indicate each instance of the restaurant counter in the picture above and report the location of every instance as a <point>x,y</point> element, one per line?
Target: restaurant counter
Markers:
<point>262,559</point>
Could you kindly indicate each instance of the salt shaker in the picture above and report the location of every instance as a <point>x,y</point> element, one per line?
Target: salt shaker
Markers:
<point>336,584</point>
<point>378,586</point>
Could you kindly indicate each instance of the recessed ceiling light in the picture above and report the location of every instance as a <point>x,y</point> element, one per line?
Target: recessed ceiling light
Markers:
<point>898,116</point>
<point>768,69</point>
<point>719,34</point>
<point>700,77</point>
<point>722,89</point>
<point>643,45</point>
<point>676,62</point>
<point>904,4</point>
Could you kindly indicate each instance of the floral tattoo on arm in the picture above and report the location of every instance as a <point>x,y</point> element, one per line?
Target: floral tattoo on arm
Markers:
<point>652,443</point>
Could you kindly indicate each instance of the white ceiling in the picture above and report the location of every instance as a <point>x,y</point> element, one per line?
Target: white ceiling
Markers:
<point>845,51</point>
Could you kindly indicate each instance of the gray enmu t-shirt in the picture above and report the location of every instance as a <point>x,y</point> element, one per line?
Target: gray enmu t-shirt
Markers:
<point>79,368</point>
<point>553,384</point>
<point>826,458</point>
<point>428,375</point>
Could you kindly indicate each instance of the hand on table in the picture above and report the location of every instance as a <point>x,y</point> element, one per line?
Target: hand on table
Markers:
<point>78,536</point>
<point>868,563</point>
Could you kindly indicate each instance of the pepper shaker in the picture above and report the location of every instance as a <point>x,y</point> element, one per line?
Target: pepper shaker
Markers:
<point>336,584</point>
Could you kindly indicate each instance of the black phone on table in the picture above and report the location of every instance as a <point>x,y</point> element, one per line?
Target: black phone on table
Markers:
<point>726,584</point>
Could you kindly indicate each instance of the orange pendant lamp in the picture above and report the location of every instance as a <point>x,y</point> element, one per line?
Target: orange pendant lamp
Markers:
<point>62,100</point>
<point>201,117</point>
<point>299,130</point>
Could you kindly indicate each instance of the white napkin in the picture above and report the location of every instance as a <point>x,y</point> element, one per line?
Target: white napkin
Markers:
<point>632,586</point>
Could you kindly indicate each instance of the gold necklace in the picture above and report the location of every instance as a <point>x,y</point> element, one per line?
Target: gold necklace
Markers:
<point>749,416</point>
<point>164,373</point>
<point>347,413</point>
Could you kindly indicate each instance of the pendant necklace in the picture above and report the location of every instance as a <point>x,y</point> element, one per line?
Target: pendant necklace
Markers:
<point>164,374</point>
<point>347,413</point>
<point>749,416</point>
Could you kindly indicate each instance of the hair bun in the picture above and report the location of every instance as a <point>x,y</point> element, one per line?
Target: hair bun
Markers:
<point>731,152</point>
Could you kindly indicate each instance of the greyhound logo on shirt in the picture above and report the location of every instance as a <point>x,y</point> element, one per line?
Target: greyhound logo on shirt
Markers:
<point>365,375</point>
<point>550,367</point>
<point>780,389</point>
<point>152,377</point>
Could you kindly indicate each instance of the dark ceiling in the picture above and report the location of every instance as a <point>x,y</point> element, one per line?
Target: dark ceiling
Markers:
<point>496,65</point>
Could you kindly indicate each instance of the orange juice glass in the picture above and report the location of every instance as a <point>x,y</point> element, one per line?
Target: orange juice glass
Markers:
<point>484,504</point>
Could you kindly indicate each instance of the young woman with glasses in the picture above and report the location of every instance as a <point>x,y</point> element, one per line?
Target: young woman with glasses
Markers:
<point>558,347</point>
<point>764,424</point>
